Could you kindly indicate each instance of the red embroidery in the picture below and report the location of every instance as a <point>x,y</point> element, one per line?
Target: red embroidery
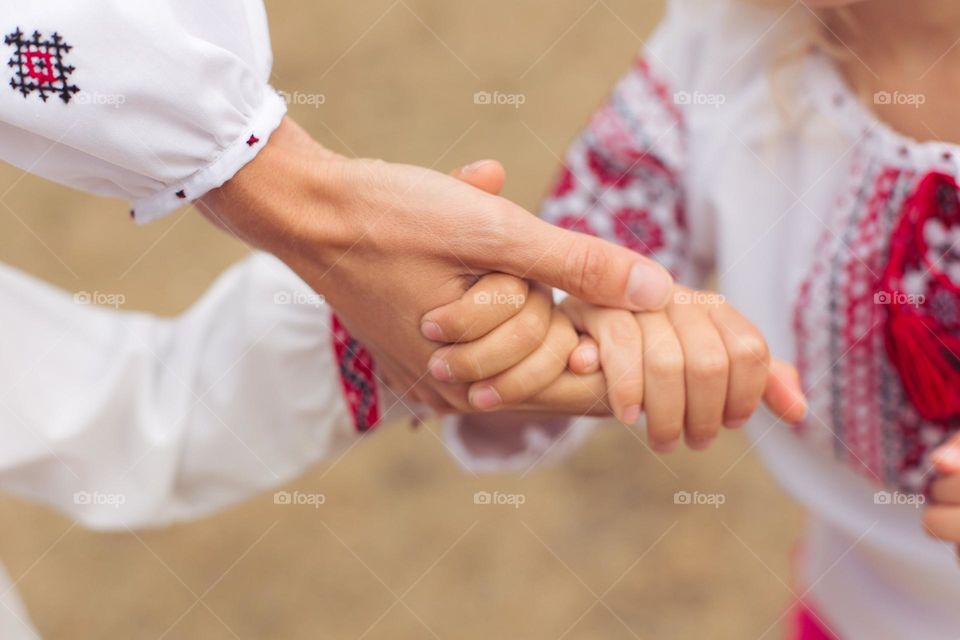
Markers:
<point>182,194</point>
<point>252,140</point>
<point>39,67</point>
<point>357,377</point>
<point>620,180</point>
<point>860,405</point>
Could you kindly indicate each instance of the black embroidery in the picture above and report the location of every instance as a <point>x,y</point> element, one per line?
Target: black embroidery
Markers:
<point>182,194</point>
<point>39,67</point>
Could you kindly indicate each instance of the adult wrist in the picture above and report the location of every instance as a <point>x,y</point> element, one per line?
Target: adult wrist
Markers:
<point>288,200</point>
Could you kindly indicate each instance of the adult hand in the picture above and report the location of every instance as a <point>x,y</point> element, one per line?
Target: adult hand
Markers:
<point>387,243</point>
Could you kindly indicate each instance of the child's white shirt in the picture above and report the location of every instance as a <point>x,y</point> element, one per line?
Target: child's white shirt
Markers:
<point>782,183</point>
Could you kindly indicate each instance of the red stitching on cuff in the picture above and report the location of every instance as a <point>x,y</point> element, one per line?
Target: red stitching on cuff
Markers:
<point>357,377</point>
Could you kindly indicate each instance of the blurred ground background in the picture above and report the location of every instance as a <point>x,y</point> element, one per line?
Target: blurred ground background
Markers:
<point>400,550</point>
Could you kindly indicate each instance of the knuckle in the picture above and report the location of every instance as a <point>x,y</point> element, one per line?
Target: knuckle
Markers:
<point>708,366</point>
<point>586,268</point>
<point>531,328</point>
<point>511,288</point>
<point>750,349</point>
<point>622,328</point>
<point>665,365</point>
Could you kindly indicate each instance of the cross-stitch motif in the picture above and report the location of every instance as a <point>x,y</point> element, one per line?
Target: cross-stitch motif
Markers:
<point>39,66</point>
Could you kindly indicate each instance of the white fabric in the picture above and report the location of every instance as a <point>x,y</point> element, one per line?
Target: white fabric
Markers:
<point>871,571</point>
<point>169,94</point>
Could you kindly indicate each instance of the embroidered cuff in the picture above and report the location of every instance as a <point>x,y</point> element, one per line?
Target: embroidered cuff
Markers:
<point>357,377</point>
<point>233,158</point>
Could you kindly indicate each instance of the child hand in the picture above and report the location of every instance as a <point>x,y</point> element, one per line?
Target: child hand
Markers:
<point>511,342</point>
<point>692,367</point>
<point>942,518</point>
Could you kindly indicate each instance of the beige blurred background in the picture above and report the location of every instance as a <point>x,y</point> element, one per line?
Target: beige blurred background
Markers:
<point>400,550</point>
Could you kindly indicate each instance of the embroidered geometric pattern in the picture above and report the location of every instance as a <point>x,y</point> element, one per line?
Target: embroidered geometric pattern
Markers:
<point>620,176</point>
<point>858,403</point>
<point>39,66</point>
<point>357,377</point>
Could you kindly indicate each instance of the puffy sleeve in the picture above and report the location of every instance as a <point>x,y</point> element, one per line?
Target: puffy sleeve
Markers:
<point>153,101</point>
<point>625,176</point>
<point>126,419</point>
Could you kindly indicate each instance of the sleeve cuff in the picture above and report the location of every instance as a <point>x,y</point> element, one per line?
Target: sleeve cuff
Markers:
<point>513,443</point>
<point>233,158</point>
<point>358,378</point>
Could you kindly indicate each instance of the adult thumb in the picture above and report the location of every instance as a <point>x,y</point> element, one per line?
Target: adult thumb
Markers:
<point>589,268</point>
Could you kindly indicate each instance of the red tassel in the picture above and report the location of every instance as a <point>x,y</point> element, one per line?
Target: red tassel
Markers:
<point>926,364</point>
<point>925,353</point>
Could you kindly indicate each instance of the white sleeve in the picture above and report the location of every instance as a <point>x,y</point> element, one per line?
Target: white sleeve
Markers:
<point>514,442</point>
<point>153,101</point>
<point>124,419</point>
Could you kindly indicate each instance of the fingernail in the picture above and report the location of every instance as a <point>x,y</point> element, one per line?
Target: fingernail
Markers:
<point>649,286</point>
<point>485,398</point>
<point>474,167</point>
<point>700,445</point>
<point>631,414</point>
<point>666,447</point>
<point>589,356</point>
<point>431,331</point>
<point>440,370</point>
<point>736,424</point>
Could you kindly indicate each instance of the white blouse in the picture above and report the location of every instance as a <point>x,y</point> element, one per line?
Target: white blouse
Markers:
<point>839,238</point>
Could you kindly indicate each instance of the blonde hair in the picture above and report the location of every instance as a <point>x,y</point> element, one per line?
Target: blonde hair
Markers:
<point>815,32</point>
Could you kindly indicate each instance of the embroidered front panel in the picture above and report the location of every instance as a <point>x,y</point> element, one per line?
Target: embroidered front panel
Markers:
<point>859,406</point>
<point>620,176</point>
<point>39,67</point>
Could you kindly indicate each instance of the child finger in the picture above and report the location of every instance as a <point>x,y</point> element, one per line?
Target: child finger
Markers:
<point>946,490</point>
<point>784,393</point>
<point>571,394</point>
<point>706,372</point>
<point>749,364</point>
<point>943,522</point>
<point>493,300</point>
<point>585,358</point>
<point>947,457</point>
<point>531,376</point>
<point>664,384</point>
<point>621,355</point>
<point>504,347</point>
